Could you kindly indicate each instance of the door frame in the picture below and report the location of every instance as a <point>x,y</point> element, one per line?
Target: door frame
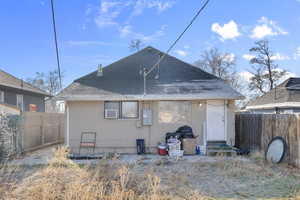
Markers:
<point>225,109</point>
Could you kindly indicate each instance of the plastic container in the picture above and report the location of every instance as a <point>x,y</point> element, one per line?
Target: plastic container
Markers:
<point>140,146</point>
<point>162,150</point>
<point>202,150</point>
<point>198,152</point>
<point>176,153</point>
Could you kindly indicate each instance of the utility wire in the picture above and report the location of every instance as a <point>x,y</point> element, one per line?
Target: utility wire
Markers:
<point>179,37</point>
<point>56,46</point>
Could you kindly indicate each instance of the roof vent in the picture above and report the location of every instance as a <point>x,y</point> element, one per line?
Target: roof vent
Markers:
<point>100,71</point>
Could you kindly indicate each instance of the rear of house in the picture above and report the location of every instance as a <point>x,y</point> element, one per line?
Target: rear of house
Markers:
<point>116,105</point>
<point>283,99</point>
<point>16,94</point>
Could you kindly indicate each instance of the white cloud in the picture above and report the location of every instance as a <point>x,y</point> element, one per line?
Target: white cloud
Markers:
<point>276,56</point>
<point>229,57</point>
<point>262,31</point>
<point>159,5</point>
<point>246,76</point>
<point>266,28</point>
<point>181,53</point>
<point>107,5</point>
<point>248,56</point>
<point>127,31</point>
<point>110,10</point>
<point>287,75</point>
<point>227,31</point>
<point>107,13</point>
<point>279,56</point>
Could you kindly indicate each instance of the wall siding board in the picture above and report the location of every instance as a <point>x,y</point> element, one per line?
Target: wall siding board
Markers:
<point>117,135</point>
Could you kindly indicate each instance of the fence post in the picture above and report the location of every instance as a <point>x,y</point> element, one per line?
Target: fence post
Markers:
<point>298,140</point>
<point>21,132</point>
<point>42,130</point>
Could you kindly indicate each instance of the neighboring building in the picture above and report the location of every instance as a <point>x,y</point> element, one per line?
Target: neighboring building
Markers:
<point>111,102</point>
<point>285,98</point>
<point>17,93</point>
<point>55,106</point>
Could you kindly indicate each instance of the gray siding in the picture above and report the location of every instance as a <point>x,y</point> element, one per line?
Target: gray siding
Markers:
<point>10,97</point>
<point>273,111</point>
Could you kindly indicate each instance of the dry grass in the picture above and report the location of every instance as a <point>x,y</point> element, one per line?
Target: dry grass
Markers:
<point>62,179</point>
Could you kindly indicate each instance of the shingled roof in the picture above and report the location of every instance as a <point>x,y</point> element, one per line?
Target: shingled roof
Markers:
<point>173,78</point>
<point>288,91</point>
<point>11,81</point>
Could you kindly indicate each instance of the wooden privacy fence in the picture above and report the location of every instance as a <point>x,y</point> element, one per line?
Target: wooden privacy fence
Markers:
<point>255,131</point>
<point>39,129</point>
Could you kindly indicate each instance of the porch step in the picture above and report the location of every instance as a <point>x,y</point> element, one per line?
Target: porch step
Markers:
<point>219,147</point>
<point>215,143</point>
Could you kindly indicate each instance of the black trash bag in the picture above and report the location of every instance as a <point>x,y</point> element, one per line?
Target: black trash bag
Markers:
<point>182,132</point>
<point>185,132</point>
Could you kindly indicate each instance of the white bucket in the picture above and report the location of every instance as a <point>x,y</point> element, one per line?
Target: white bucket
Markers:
<point>202,150</point>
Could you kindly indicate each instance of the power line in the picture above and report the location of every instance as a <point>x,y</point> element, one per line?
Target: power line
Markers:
<point>55,40</point>
<point>179,37</point>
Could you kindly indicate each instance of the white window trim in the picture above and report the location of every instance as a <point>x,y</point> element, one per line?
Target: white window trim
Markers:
<point>21,97</point>
<point>120,111</point>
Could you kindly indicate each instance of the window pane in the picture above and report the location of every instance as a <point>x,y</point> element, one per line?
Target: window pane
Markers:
<point>129,109</point>
<point>109,106</point>
<point>112,105</point>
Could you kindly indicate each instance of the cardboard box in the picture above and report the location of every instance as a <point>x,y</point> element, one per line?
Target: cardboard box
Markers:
<point>189,146</point>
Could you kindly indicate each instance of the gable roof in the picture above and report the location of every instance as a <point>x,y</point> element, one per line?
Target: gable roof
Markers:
<point>288,91</point>
<point>124,78</point>
<point>11,81</point>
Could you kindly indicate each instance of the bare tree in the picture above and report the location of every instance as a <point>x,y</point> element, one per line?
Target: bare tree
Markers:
<point>265,72</point>
<point>221,65</point>
<point>135,45</point>
<point>48,82</point>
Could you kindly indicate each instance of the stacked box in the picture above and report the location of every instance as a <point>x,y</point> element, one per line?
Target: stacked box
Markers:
<point>189,146</point>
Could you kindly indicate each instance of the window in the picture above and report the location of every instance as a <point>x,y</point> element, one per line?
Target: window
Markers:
<point>121,110</point>
<point>111,110</point>
<point>130,109</point>
<point>20,104</point>
<point>1,96</point>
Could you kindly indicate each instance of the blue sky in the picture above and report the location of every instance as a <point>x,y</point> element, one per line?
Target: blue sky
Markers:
<point>93,32</point>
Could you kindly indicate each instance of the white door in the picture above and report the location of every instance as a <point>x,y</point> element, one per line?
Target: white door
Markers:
<point>215,120</point>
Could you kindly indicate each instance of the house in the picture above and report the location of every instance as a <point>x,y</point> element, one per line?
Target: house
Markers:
<point>113,104</point>
<point>19,95</point>
<point>285,98</point>
<point>53,105</point>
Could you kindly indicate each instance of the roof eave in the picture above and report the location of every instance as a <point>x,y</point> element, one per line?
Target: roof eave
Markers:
<point>27,90</point>
<point>145,97</point>
<point>274,105</point>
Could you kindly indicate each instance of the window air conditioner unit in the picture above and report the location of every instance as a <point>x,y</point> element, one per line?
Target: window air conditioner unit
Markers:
<point>111,114</point>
